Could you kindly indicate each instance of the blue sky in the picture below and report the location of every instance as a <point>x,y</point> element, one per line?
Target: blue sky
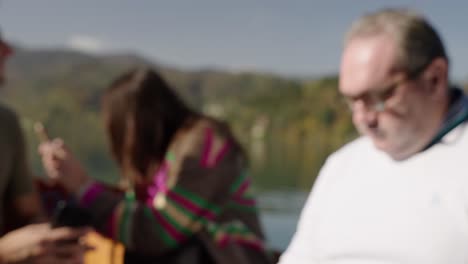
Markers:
<point>293,37</point>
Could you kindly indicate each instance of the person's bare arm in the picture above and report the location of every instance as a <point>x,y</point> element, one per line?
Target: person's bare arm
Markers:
<point>39,243</point>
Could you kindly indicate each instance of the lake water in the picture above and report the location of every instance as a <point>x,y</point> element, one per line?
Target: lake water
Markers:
<point>280,212</point>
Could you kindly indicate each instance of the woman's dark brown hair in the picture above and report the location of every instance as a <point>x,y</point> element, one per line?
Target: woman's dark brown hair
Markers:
<point>142,114</point>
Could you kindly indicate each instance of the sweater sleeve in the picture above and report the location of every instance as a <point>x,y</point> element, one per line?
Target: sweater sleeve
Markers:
<point>207,175</point>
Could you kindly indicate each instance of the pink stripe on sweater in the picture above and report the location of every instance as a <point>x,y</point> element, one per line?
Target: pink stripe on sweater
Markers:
<point>242,188</point>
<point>91,194</point>
<point>221,153</point>
<point>171,230</point>
<point>159,182</point>
<point>192,207</point>
<point>207,147</point>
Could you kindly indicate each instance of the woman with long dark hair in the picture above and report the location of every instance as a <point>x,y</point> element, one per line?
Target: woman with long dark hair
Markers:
<point>188,197</point>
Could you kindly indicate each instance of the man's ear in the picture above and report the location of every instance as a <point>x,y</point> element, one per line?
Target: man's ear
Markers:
<point>436,78</point>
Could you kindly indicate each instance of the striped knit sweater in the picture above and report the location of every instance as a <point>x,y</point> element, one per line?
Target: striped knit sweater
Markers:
<point>201,188</point>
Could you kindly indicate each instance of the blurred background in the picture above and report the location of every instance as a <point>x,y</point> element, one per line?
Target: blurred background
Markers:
<point>269,68</point>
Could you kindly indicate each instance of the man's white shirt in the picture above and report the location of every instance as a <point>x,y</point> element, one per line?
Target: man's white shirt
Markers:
<point>369,209</point>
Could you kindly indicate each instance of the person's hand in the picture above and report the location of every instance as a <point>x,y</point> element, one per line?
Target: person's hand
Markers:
<point>60,164</point>
<point>39,243</point>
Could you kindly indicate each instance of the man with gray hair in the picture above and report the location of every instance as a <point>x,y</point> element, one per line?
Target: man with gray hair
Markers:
<point>399,193</point>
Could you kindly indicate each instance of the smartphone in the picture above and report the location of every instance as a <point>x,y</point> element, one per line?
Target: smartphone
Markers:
<point>71,215</point>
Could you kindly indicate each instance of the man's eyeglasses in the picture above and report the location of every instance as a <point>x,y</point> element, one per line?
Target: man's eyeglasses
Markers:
<point>375,100</point>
